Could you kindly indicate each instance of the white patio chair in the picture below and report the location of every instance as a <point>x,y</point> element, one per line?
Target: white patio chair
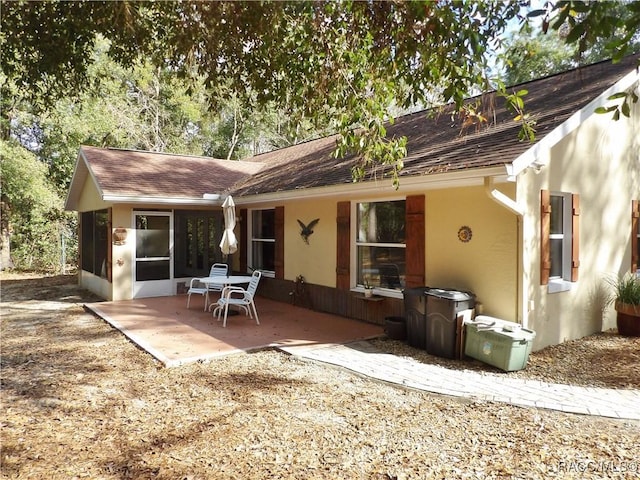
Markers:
<point>233,295</point>
<point>199,288</point>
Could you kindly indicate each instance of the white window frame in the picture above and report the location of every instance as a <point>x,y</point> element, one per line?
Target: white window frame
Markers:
<point>251,240</point>
<point>562,283</point>
<point>381,291</point>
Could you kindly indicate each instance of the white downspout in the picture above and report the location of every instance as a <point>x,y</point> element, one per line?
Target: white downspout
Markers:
<point>501,198</point>
<point>515,208</point>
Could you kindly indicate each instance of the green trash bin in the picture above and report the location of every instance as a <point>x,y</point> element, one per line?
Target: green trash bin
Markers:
<point>503,344</point>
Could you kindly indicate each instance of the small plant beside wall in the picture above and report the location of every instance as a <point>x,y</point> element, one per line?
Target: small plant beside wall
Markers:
<point>368,288</point>
<point>627,304</point>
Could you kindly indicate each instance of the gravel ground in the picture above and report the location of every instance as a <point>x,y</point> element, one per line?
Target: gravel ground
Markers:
<point>80,401</point>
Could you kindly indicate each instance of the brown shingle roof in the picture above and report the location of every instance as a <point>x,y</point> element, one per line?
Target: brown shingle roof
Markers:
<point>132,173</point>
<point>438,143</point>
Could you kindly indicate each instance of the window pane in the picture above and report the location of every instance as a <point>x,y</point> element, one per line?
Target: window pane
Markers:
<point>101,243</point>
<point>557,207</point>
<point>556,257</point>
<point>263,247</point>
<point>197,238</point>
<point>382,267</point>
<point>200,237</point>
<point>95,236</point>
<point>87,242</point>
<point>263,256</point>
<point>263,224</point>
<point>152,270</point>
<point>190,246</point>
<point>152,236</point>
<point>214,241</point>
<point>381,222</point>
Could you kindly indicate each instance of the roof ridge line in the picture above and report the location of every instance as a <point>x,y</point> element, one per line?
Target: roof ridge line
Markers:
<point>135,150</point>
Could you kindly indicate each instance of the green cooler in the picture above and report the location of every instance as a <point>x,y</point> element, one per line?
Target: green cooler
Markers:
<point>503,344</point>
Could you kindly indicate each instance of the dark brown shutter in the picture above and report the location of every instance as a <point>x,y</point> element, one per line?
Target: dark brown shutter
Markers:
<point>244,245</point>
<point>575,236</point>
<point>635,222</point>
<point>109,245</point>
<point>279,254</point>
<point>415,244</point>
<point>545,231</point>
<point>343,257</point>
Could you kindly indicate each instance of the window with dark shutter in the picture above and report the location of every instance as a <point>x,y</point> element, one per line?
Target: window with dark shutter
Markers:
<point>261,233</point>
<point>559,239</point>
<point>380,244</point>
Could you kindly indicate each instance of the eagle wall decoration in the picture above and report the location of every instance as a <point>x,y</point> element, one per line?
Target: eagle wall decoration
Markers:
<point>307,230</point>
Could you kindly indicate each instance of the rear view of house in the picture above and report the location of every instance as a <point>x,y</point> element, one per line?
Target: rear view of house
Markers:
<point>532,229</point>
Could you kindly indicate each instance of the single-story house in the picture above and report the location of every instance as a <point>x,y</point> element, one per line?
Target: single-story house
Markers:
<point>534,230</point>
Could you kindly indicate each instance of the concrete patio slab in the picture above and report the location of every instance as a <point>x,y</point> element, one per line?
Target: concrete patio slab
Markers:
<point>175,335</point>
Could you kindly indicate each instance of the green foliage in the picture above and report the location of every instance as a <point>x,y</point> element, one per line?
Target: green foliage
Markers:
<point>584,33</point>
<point>611,24</point>
<point>529,56</point>
<point>619,108</point>
<point>31,210</point>
<point>344,65</point>
<point>515,102</point>
<point>627,289</point>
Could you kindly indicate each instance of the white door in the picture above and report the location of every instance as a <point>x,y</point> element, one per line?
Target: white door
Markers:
<point>153,272</point>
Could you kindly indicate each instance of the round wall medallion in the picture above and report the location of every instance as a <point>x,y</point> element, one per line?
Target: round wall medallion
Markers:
<point>464,234</point>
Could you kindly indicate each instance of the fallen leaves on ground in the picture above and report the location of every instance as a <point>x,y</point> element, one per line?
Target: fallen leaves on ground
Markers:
<point>80,401</point>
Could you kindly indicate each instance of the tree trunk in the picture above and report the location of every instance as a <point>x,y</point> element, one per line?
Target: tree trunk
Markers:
<point>5,237</point>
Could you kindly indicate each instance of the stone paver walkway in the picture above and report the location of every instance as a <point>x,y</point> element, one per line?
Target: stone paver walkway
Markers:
<point>362,357</point>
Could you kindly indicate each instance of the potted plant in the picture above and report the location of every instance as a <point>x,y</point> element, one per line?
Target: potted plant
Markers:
<point>368,288</point>
<point>627,304</point>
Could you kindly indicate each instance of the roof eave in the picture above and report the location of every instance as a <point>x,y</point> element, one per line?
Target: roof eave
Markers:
<point>169,201</point>
<point>462,178</point>
<point>80,174</point>
<point>531,157</point>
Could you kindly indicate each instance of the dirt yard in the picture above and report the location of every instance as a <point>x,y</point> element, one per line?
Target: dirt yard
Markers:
<point>81,401</point>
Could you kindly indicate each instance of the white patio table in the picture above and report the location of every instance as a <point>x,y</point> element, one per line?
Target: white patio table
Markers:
<point>223,281</point>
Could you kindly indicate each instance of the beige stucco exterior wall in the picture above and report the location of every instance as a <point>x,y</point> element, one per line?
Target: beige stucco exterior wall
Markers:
<point>122,255</point>
<point>487,264</point>
<point>120,287</point>
<point>601,162</point>
<point>316,262</point>
<point>90,199</point>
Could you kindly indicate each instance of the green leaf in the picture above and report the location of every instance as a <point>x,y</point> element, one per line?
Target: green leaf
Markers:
<point>518,102</point>
<point>575,33</point>
<point>615,96</point>
<point>626,109</point>
<point>605,109</point>
<point>536,13</point>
